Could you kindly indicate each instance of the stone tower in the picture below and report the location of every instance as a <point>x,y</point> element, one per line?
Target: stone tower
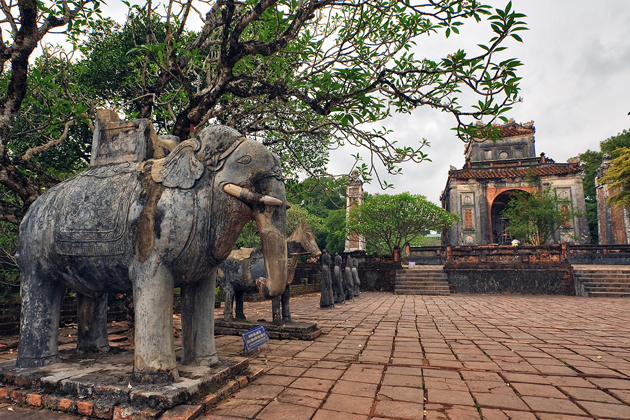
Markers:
<point>354,197</point>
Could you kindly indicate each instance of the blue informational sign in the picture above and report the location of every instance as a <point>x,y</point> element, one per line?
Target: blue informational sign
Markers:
<point>255,338</point>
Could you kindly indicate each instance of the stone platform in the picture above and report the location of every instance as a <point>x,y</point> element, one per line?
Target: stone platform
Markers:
<point>289,330</point>
<point>100,385</point>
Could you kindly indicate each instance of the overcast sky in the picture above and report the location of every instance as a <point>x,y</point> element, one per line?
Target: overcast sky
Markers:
<point>575,87</point>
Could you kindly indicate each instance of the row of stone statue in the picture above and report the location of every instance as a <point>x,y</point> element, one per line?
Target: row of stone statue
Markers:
<point>340,287</point>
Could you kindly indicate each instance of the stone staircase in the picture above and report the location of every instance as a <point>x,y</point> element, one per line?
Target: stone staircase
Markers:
<point>421,280</point>
<point>602,280</point>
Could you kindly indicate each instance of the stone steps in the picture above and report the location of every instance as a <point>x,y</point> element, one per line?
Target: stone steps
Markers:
<point>421,280</point>
<point>602,281</point>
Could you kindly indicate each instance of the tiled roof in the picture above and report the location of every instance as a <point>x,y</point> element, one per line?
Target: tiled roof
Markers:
<point>494,173</point>
<point>512,128</point>
<point>509,130</point>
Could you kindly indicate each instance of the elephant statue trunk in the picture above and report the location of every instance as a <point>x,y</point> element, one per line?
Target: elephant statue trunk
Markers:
<point>269,214</point>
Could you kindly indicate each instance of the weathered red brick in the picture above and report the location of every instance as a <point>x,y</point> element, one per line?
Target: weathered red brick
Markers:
<point>18,396</point>
<point>242,381</point>
<point>255,373</point>
<point>85,408</point>
<point>51,402</point>
<point>34,399</point>
<point>22,381</point>
<point>210,400</point>
<point>5,393</point>
<point>128,413</point>
<point>103,412</point>
<point>183,412</point>
<point>66,404</point>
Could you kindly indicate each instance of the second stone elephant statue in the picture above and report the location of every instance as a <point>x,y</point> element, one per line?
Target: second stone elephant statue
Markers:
<point>238,274</point>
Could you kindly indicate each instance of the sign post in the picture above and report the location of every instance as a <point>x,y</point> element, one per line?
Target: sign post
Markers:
<point>254,338</point>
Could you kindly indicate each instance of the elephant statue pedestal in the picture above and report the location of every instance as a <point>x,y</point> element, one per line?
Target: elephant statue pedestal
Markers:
<point>105,381</point>
<point>149,215</point>
<point>290,331</point>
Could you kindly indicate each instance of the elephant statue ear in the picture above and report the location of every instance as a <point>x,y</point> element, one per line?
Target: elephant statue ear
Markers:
<point>181,168</point>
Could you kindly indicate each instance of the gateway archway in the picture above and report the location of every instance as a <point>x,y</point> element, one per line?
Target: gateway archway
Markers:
<point>500,235</point>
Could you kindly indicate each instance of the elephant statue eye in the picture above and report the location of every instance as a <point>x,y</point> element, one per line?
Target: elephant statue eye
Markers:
<point>244,159</point>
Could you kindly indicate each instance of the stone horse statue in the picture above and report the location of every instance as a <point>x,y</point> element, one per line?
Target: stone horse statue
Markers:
<point>238,274</point>
<point>137,222</point>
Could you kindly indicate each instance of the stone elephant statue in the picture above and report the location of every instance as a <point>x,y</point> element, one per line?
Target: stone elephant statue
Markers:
<point>148,226</point>
<point>238,274</point>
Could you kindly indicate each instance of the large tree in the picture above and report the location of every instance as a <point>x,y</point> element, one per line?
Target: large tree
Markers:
<point>303,76</point>
<point>617,177</point>
<point>24,26</point>
<point>387,221</point>
<point>591,160</point>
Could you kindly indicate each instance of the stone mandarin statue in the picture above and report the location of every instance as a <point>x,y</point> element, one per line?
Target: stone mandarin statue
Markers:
<point>356,291</point>
<point>349,283</point>
<point>340,296</point>
<point>149,215</point>
<point>326,300</point>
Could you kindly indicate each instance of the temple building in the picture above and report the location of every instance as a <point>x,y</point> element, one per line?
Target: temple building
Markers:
<point>613,223</point>
<point>492,172</point>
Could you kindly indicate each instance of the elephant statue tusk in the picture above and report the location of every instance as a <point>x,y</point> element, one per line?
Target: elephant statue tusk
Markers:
<point>251,197</point>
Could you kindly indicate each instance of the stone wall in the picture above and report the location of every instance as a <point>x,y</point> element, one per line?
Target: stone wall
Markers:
<point>426,255</point>
<point>378,276</point>
<point>506,269</point>
<point>573,253</point>
<point>550,278</point>
<point>599,254</point>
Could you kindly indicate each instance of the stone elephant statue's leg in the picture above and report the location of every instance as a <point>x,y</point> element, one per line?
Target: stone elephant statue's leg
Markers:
<point>286,310</point>
<point>92,322</point>
<point>238,305</point>
<point>153,334</point>
<point>275,310</point>
<point>198,346</point>
<point>229,303</point>
<point>39,321</point>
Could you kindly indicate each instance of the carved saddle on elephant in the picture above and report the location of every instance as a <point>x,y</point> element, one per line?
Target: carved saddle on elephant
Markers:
<point>94,217</point>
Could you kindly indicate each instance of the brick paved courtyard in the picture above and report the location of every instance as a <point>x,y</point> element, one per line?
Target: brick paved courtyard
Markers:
<point>427,357</point>
<point>456,357</point>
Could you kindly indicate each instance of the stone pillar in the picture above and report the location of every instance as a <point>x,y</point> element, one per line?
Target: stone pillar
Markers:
<point>354,197</point>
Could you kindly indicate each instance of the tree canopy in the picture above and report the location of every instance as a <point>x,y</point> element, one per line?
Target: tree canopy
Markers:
<point>303,77</point>
<point>617,177</point>
<point>32,104</point>
<point>591,160</point>
<point>387,221</point>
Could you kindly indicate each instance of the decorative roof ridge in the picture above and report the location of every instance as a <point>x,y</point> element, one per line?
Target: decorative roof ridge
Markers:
<point>512,128</point>
<point>547,163</point>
